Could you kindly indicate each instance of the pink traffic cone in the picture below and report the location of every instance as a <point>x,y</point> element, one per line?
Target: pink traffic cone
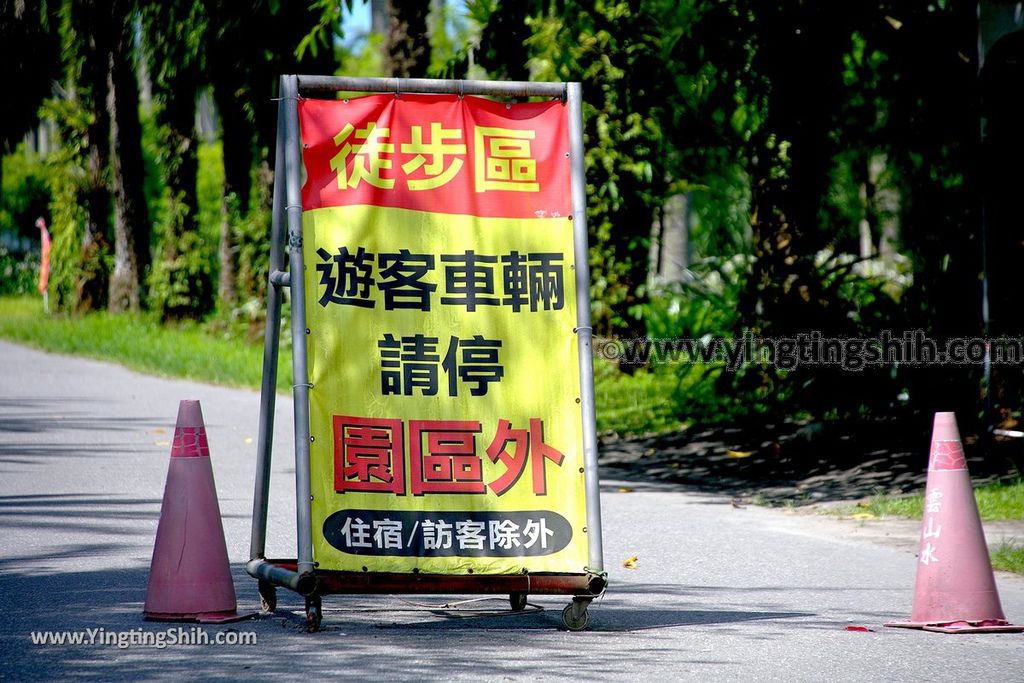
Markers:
<point>955,591</point>
<point>190,577</point>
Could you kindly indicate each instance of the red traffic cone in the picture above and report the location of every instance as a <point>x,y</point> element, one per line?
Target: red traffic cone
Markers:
<point>955,591</point>
<point>190,577</point>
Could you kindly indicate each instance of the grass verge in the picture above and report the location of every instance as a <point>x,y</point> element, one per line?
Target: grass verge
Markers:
<point>140,342</point>
<point>634,404</point>
<point>1008,556</point>
<point>996,502</point>
<point>626,404</point>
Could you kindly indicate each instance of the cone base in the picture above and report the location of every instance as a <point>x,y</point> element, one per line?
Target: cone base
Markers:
<point>987,626</point>
<point>199,618</point>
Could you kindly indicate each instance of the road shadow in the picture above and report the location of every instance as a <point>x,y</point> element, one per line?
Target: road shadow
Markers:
<point>368,634</point>
<point>797,464</point>
<point>606,618</point>
<point>36,429</point>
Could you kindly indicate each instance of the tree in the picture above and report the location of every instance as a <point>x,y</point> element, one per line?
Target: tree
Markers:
<point>503,48</point>
<point>918,53</point>
<point>31,52</point>
<point>246,52</point>
<point>407,48</point>
<point>931,78</point>
<point>237,66</point>
<point>1003,177</point>
<point>80,205</point>
<point>175,30</point>
<point>131,217</point>
<point>653,128</point>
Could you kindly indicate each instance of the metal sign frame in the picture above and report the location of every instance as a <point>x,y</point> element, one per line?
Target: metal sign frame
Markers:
<point>301,574</point>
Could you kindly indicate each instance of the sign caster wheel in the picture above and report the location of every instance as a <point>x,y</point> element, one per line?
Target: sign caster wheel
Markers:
<point>314,613</point>
<point>518,601</point>
<point>575,616</point>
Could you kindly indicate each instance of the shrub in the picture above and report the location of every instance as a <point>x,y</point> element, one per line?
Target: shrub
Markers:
<point>18,276</point>
<point>25,194</point>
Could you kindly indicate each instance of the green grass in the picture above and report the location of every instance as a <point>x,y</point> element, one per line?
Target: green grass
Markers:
<point>627,404</point>
<point>1009,557</point>
<point>999,501</point>
<point>140,342</point>
<point>996,502</point>
<point>634,404</point>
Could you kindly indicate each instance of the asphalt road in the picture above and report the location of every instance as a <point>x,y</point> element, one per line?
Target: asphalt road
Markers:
<point>719,592</point>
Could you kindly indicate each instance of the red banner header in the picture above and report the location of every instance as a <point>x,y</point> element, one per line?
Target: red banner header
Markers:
<point>441,154</point>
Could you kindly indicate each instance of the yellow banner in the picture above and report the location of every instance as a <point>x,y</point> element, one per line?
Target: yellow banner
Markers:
<point>444,411</point>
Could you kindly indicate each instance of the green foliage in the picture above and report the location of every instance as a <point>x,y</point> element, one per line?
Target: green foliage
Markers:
<point>181,279</point>
<point>25,194</point>
<point>703,304</point>
<point>154,188</point>
<point>18,276</point>
<point>665,391</point>
<point>857,299</point>
<point>209,192</point>
<point>614,51</point>
<point>67,184</point>
<point>721,213</point>
<point>797,132</point>
<point>30,52</point>
<point>321,36</point>
<point>364,56</point>
<point>449,29</point>
<point>700,308</point>
<point>663,397</point>
<point>252,238</point>
<point>634,404</point>
<point>660,118</point>
<point>175,35</point>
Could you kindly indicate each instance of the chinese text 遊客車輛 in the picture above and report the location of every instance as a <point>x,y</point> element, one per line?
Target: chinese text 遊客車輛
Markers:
<point>533,280</point>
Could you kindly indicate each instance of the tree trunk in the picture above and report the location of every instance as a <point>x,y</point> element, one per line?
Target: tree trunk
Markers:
<point>886,204</point>
<point>379,16</point>
<point>503,51</point>
<point>96,36</point>
<point>227,294</point>
<point>181,283</point>
<point>670,242</point>
<point>407,49</point>
<point>131,217</point>
<point>867,242</point>
<point>237,140</point>
<point>181,169</point>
